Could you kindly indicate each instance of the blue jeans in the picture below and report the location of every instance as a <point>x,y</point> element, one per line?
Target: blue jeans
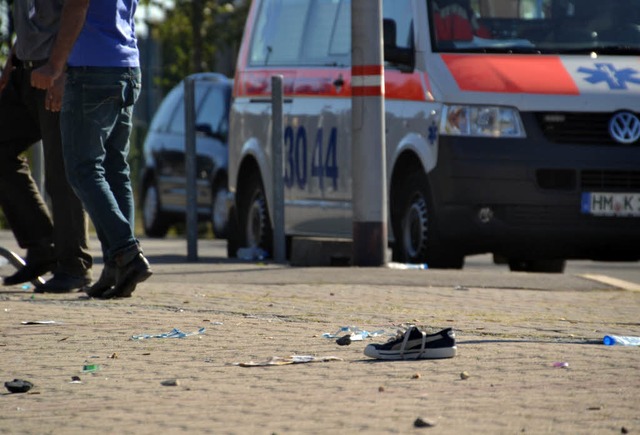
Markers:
<point>96,122</point>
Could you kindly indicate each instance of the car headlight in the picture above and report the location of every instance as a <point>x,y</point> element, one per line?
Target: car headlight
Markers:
<point>485,121</point>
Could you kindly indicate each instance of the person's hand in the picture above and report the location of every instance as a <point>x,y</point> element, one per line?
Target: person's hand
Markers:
<point>6,72</point>
<point>53,99</point>
<point>44,77</point>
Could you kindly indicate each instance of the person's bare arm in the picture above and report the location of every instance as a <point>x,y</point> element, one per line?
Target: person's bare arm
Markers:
<point>74,13</point>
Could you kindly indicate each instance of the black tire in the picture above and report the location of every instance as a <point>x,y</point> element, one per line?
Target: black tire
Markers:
<point>543,266</point>
<point>416,236</point>
<point>255,229</point>
<point>219,212</point>
<point>156,224</point>
<point>233,234</point>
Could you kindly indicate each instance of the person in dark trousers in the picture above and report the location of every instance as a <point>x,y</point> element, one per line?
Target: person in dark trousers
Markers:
<point>56,239</point>
<point>97,48</point>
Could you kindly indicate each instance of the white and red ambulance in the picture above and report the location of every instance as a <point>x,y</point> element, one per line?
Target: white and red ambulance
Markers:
<point>512,128</point>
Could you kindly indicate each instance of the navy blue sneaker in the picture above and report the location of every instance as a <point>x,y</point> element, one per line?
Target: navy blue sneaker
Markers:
<point>415,344</point>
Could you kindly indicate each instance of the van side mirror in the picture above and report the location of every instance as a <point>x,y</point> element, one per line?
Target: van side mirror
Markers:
<point>400,56</point>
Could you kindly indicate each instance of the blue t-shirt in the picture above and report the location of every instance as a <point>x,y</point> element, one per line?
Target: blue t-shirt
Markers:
<point>108,37</point>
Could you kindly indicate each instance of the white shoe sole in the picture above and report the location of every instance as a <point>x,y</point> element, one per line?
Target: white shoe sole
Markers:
<point>433,353</point>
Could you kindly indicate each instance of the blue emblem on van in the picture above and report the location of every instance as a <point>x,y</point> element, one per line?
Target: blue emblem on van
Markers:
<point>607,72</point>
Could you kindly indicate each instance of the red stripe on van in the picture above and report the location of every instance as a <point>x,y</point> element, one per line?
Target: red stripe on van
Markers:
<point>323,82</point>
<point>366,91</point>
<point>367,70</point>
<point>510,74</point>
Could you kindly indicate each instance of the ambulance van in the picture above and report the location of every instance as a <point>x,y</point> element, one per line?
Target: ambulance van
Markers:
<point>512,127</point>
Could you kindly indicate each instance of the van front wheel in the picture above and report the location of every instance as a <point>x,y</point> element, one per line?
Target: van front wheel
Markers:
<point>255,226</point>
<point>416,238</point>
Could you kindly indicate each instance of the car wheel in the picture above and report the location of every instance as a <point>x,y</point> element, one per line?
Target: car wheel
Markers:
<point>219,212</point>
<point>155,223</point>
<point>543,266</point>
<point>416,238</point>
<point>255,226</point>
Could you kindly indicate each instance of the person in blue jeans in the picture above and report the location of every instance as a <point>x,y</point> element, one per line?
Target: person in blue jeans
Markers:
<point>97,46</point>
<point>54,235</point>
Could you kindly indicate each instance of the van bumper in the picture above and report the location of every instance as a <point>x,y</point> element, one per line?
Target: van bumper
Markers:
<point>523,198</point>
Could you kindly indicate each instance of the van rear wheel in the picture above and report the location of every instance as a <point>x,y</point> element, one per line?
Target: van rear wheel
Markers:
<point>416,237</point>
<point>255,225</point>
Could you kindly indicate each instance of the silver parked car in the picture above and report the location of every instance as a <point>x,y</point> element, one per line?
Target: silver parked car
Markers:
<point>163,180</point>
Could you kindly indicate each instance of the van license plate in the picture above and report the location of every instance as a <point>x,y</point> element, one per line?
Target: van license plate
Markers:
<point>611,204</point>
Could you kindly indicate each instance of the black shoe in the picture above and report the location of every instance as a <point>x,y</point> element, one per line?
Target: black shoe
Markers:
<point>128,276</point>
<point>63,283</point>
<point>105,282</point>
<point>29,272</point>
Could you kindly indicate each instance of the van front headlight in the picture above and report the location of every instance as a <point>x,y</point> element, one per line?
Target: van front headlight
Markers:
<point>483,121</point>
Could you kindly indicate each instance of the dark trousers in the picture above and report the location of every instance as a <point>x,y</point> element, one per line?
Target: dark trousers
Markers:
<point>23,122</point>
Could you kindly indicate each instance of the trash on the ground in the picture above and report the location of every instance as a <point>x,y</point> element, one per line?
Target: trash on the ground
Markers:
<point>423,422</point>
<point>170,383</point>
<point>407,266</point>
<point>345,340</point>
<point>355,333</point>
<point>464,375</point>
<point>461,288</point>
<point>90,368</point>
<point>75,380</point>
<point>25,287</point>
<point>114,355</point>
<point>252,253</point>
<point>620,340</point>
<point>174,333</point>
<point>561,364</point>
<point>39,322</point>
<point>18,386</point>
<point>292,359</point>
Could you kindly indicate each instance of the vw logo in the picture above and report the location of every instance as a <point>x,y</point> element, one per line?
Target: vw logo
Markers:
<point>624,127</point>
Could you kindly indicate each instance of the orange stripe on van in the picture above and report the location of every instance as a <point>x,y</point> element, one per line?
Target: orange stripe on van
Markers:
<point>326,82</point>
<point>366,70</point>
<point>510,74</point>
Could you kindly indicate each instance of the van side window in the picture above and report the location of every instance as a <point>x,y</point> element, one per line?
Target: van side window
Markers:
<point>328,33</point>
<point>400,11</point>
<point>294,32</point>
<point>279,32</point>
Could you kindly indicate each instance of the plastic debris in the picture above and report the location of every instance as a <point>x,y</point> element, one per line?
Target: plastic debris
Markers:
<point>170,383</point>
<point>75,380</point>
<point>175,333</point>
<point>293,359</point>
<point>344,340</point>
<point>18,386</point>
<point>620,340</point>
<point>252,253</point>
<point>39,322</point>
<point>561,365</point>
<point>407,266</point>
<point>423,422</point>
<point>355,333</point>
<point>90,368</point>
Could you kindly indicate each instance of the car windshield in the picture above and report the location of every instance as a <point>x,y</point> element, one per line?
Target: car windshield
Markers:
<point>536,26</point>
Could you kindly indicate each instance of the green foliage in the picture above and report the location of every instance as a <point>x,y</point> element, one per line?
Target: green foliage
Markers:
<point>194,33</point>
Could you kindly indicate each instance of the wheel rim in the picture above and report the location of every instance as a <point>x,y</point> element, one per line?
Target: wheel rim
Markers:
<point>150,207</point>
<point>414,227</point>
<point>256,222</point>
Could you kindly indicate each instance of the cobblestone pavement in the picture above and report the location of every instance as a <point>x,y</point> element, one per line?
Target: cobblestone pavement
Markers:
<point>511,330</point>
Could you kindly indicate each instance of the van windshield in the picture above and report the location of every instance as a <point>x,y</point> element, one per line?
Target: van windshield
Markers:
<point>536,26</point>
